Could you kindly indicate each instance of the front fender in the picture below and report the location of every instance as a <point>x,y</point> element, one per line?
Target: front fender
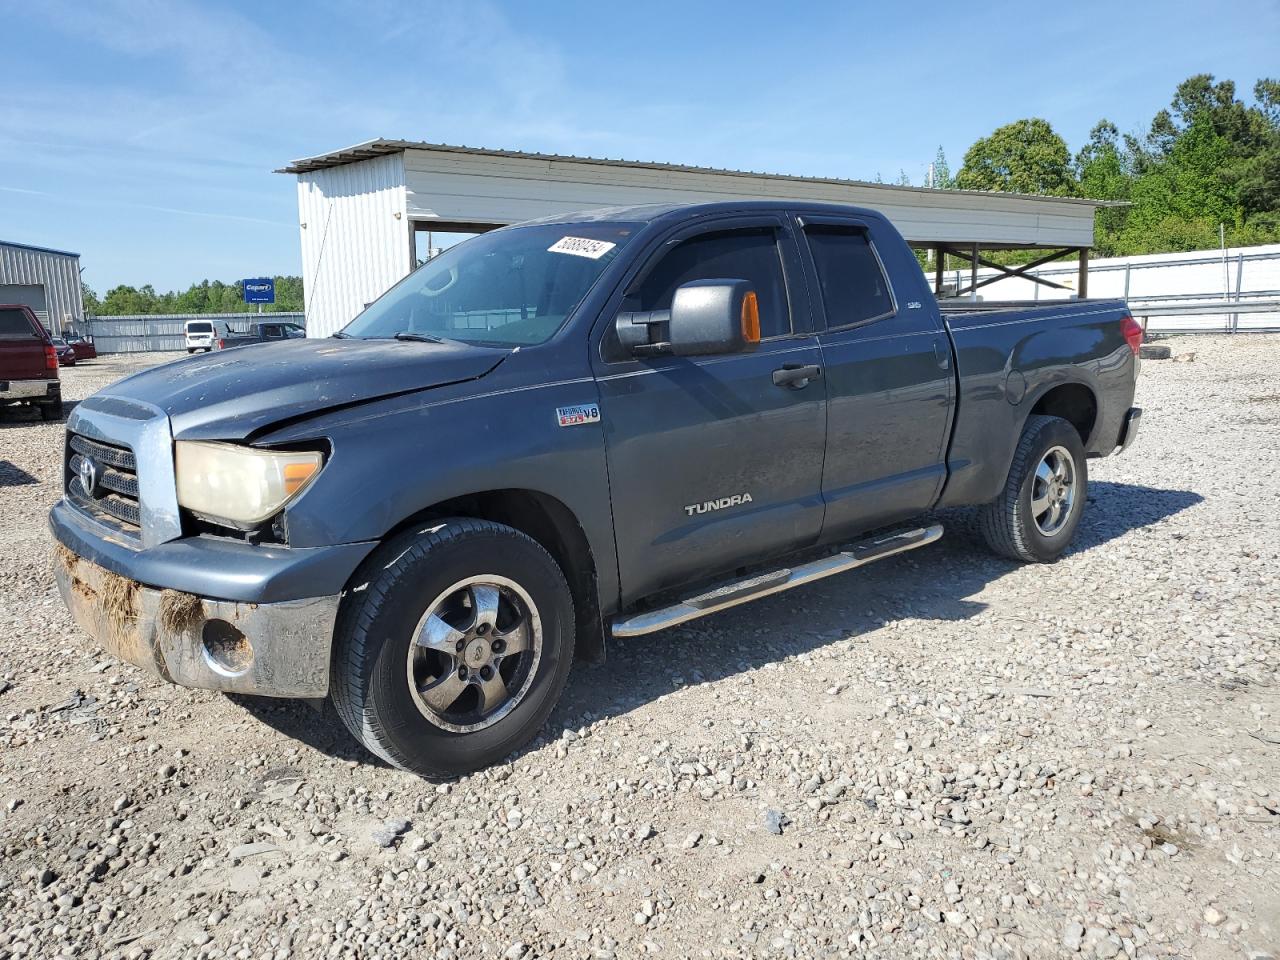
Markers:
<point>394,459</point>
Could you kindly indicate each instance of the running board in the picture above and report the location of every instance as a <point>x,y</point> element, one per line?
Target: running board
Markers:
<point>763,585</point>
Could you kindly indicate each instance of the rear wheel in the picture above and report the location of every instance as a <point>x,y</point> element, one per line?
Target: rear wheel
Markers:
<point>51,410</point>
<point>456,650</point>
<point>1036,514</point>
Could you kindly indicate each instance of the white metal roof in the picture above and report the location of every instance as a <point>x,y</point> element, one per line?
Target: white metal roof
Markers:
<point>381,147</point>
<point>35,249</point>
<point>360,207</point>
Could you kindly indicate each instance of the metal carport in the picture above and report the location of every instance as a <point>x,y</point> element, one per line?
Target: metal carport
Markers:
<point>360,208</point>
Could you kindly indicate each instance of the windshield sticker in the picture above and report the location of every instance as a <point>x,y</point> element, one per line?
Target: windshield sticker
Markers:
<point>582,247</point>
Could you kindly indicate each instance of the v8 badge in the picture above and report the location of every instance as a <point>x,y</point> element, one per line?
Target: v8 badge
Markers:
<point>578,414</point>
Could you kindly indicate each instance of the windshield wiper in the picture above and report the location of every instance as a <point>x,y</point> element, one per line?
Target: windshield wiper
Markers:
<point>340,335</point>
<point>416,337</point>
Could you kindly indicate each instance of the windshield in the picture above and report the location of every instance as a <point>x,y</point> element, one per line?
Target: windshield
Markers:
<point>507,288</point>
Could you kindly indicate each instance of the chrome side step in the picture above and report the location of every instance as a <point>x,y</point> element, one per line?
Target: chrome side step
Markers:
<point>763,585</point>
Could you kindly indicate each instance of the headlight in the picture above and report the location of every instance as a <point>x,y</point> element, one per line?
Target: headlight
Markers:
<point>241,486</point>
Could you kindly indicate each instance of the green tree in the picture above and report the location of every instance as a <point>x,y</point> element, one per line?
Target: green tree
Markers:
<point>1025,156</point>
<point>1102,173</point>
<point>92,306</point>
<point>942,178</point>
<point>207,296</point>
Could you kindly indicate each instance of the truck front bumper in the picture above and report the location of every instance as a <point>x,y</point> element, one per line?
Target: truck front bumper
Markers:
<point>270,649</point>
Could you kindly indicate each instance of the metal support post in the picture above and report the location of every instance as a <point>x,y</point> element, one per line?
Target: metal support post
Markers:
<point>1235,317</point>
<point>973,274</point>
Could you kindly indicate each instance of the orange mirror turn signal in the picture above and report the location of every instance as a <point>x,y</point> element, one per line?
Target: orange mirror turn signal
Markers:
<point>750,318</point>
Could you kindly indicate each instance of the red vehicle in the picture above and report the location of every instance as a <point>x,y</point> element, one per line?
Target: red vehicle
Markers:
<point>28,363</point>
<point>66,353</point>
<point>83,346</point>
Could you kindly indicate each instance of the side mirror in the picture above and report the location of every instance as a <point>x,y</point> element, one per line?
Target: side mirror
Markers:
<point>706,317</point>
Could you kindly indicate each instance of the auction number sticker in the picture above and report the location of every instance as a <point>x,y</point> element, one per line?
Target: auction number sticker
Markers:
<point>581,247</point>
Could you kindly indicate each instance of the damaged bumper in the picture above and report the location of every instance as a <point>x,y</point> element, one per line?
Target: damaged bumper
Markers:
<point>276,649</point>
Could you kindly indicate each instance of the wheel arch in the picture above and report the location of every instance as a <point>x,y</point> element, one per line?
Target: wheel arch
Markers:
<point>1073,401</point>
<point>551,523</point>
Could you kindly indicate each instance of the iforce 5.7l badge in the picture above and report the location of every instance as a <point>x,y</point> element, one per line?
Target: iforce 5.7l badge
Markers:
<point>578,414</point>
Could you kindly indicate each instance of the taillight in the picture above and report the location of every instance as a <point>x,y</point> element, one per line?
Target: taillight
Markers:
<point>222,344</point>
<point>1133,333</point>
<point>50,357</point>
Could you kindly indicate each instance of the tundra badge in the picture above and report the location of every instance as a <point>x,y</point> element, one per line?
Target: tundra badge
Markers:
<point>737,500</point>
<point>578,414</point>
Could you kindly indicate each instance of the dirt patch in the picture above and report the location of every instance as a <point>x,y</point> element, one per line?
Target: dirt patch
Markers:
<point>63,556</point>
<point>1162,833</point>
<point>119,599</point>
<point>179,612</point>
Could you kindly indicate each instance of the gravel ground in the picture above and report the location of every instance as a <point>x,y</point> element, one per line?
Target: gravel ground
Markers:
<point>945,755</point>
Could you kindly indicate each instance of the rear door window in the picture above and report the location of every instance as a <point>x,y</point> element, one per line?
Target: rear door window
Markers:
<point>750,255</point>
<point>854,287</point>
<point>14,325</point>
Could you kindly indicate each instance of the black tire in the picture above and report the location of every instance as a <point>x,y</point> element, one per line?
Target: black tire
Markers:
<point>369,683</point>
<point>191,349</point>
<point>1008,523</point>
<point>51,410</point>
<point>1155,351</point>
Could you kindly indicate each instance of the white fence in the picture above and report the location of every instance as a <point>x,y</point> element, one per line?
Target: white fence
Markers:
<point>1159,280</point>
<point>147,332</point>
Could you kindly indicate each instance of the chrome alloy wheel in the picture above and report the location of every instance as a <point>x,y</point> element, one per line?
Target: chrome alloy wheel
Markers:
<point>474,653</point>
<point>1053,491</point>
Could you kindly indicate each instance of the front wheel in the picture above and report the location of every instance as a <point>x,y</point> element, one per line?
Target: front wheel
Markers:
<point>455,651</point>
<point>1036,514</point>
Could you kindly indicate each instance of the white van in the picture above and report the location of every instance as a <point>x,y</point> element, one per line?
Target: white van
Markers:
<point>202,334</point>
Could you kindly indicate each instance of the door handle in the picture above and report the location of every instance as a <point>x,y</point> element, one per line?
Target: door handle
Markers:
<point>796,376</point>
<point>942,353</point>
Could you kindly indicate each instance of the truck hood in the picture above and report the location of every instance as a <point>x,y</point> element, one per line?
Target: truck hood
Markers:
<point>231,394</point>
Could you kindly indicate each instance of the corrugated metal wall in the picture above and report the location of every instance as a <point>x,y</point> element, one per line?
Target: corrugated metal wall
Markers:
<point>485,188</point>
<point>355,238</point>
<point>58,273</point>
<point>147,333</point>
<point>1162,278</point>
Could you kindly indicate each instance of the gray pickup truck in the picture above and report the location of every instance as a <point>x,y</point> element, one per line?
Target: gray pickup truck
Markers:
<point>601,424</point>
<point>261,331</point>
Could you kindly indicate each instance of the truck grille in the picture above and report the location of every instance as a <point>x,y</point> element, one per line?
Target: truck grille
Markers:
<point>114,497</point>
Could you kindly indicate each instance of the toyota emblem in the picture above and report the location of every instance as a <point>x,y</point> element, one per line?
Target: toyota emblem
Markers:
<point>89,476</point>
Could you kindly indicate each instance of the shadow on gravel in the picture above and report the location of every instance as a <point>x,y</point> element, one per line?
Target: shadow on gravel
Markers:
<point>929,585</point>
<point>11,475</point>
<point>18,416</point>
<point>24,416</point>
<point>1116,508</point>
<point>320,730</point>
